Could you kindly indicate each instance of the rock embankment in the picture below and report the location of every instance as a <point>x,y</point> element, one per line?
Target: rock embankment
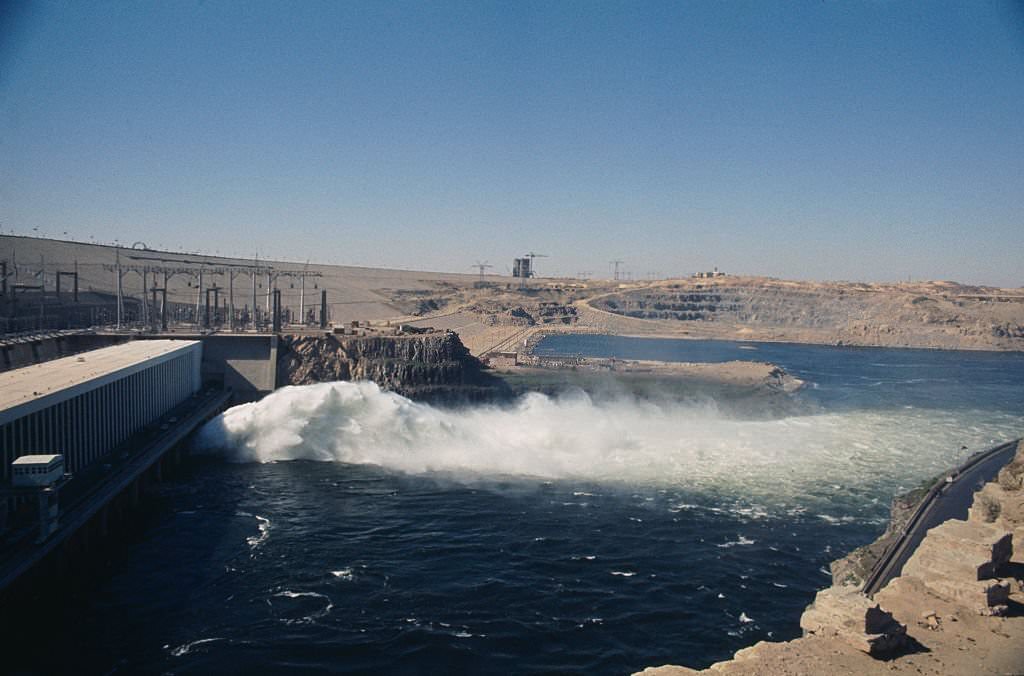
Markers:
<point>752,376</point>
<point>956,609</point>
<point>432,366</point>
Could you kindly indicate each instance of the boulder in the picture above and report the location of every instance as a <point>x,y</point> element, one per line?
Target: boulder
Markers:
<point>855,619</point>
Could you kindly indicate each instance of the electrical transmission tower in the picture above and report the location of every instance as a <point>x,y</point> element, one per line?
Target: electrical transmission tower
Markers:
<point>616,263</point>
<point>481,267</point>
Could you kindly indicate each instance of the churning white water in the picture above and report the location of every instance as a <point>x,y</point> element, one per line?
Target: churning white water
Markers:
<point>694,446</point>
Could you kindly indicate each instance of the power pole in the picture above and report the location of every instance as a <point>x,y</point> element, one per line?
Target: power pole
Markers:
<point>302,294</point>
<point>269,292</point>
<point>277,311</point>
<point>199,297</point>
<point>120,305</point>
<point>255,326</point>
<point>616,263</point>
<point>145,303</point>
<point>163,304</point>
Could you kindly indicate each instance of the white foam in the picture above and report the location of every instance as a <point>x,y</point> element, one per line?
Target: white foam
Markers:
<point>263,525</point>
<point>624,440</point>
<point>187,647</point>
<point>298,595</point>
<point>306,619</point>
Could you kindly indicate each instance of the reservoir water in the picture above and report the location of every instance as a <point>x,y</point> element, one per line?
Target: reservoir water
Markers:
<point>339,529</point>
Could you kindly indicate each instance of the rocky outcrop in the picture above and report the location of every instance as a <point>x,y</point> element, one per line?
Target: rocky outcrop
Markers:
<point>1002,502</point>
<point>433,366</point>
<point>846,614</point>
<point>958,561</point>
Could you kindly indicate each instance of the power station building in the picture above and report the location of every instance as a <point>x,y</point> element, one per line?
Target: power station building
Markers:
<point>83,406</point>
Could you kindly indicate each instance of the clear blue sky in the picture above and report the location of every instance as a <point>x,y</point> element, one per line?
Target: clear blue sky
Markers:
<point>837,140</point>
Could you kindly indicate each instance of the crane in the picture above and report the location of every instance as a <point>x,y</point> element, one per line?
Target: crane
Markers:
<point>481,267</point>
<point>533,267</point>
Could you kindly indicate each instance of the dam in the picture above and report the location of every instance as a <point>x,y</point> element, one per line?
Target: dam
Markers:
<point>558,530</point>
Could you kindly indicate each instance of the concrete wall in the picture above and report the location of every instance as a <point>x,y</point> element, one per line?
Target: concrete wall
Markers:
<point>247,363</point>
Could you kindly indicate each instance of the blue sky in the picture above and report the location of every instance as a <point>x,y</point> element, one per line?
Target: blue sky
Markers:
<point>819,140</point>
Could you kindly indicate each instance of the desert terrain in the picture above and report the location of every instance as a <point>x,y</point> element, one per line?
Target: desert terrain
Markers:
<point>493,313</point>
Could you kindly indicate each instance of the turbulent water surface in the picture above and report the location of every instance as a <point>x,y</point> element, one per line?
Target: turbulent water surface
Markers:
<point>336,527</point>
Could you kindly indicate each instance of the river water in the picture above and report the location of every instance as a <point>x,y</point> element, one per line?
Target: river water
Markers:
<point>341,529</point>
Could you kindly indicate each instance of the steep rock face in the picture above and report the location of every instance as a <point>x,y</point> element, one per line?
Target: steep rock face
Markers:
<point>434,366</point>
<point>958,561</point>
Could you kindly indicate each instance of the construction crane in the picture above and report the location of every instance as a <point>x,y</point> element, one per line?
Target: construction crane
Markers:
<point>533,266</point>
<point>616,263</point>
<point>481,267</point>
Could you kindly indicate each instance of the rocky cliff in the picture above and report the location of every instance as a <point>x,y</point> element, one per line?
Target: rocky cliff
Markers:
<point>433,366</point>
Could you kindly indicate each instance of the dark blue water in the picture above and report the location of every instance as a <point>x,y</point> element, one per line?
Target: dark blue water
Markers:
<point>344,567</point>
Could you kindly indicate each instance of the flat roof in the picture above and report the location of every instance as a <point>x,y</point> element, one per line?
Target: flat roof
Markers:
<point>30,383</point>
<point>35,459</point>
